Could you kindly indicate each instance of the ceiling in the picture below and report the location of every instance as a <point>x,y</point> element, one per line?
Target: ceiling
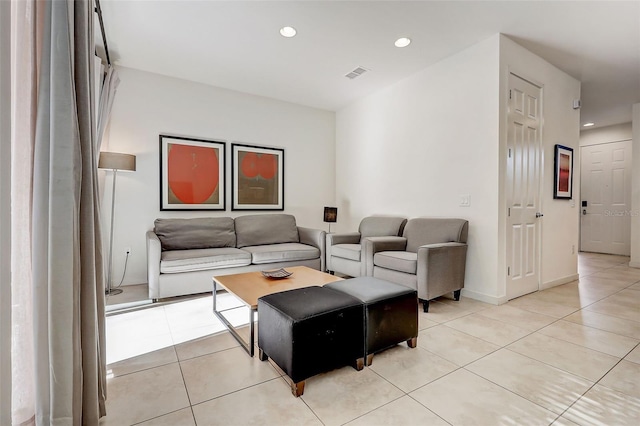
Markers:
<point>237,45</point>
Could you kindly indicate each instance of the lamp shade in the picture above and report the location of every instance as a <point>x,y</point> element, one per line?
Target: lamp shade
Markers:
<point>330,214</point>
<point>117,161</point>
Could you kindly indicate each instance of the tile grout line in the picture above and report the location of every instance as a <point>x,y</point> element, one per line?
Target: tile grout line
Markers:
<point>409,393</point>
<point>597,382</point>
<point>544,363</point>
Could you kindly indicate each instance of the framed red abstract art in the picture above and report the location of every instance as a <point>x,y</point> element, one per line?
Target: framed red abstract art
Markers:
<point>563,172</point>
<point>191,174</point>
<point>257,175</point>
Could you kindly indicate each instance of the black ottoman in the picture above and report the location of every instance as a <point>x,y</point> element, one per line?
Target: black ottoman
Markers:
<point>391,312</point>
<point>309,331</point>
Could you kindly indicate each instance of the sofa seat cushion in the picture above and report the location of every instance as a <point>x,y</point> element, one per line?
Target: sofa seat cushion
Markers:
<point>174,261</point>
<point>282,253</point>
<point>403,261</point>
<point>347,251</point>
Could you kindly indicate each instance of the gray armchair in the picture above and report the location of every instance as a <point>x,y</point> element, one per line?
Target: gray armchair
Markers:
<point>430,257</point>
<point>346,255</point>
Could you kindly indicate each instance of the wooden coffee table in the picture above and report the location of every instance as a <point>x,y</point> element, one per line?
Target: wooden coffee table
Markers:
<point>250,286</point>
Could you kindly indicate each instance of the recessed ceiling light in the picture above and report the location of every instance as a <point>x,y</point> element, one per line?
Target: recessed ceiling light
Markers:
<point>288,32</point>
<point>588,124</point>
<point>403,42</point>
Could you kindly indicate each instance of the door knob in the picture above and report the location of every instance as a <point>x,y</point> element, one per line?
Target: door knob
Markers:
<point>538,214</point>
<point>584,212</point>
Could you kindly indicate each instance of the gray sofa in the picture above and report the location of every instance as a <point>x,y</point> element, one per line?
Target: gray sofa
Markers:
<point>430,257</point>
<point>184,254</point>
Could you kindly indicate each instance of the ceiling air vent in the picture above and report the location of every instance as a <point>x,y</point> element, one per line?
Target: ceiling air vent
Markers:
<point>356,73</point>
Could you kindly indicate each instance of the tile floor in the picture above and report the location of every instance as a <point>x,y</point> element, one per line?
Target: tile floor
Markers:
<point>564,356</point>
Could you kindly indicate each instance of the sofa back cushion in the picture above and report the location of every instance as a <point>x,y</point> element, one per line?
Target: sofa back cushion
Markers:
<point>197,233</point>
<point>432,230</point>
<point>381,226</point>
<point>261,229</point>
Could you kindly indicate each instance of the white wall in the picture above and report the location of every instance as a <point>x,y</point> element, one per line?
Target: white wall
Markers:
<point>635,189</point>
<point>5,214</point>
<point>615,133</point>
<point>413,148</point>
<point>147,105</point>
<point>560,225</point>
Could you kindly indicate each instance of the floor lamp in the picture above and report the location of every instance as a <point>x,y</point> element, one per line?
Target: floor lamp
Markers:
<point>116,162</point>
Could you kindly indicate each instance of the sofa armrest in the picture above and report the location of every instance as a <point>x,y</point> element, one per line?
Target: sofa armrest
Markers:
<point>345,238</point>
<point>334,239</point>
<point>316,238</point>
<point>377,244</point>
<point>373,245</point>
<point>154,253</point>
<point>440,269</point>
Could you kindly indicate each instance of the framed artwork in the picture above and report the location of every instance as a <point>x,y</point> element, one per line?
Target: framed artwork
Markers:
<point>257,177</point>
<point>563,172</point>
<point>191,174</point>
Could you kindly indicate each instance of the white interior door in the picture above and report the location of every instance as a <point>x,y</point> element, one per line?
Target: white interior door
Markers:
<point>605,188</point>
<point>524,171</point>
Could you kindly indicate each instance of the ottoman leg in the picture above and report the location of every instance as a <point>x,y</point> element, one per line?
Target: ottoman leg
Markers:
<point>369,359</point>
<point>359,364</point>
<point>297,389</point>
<point>413,342</point>
<point>261,355</point>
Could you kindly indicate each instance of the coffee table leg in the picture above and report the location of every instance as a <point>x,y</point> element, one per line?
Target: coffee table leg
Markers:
<point>251,329</point>
<point>214,295</point>
<point>247,347</point>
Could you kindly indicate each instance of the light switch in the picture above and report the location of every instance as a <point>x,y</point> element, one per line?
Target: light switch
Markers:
<point>465,200</point>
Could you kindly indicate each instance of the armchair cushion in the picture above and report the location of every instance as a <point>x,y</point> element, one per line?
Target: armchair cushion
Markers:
<point>426,230</point>
<point>347,251</point>
<point>379,226</point>
<point>403,261</point>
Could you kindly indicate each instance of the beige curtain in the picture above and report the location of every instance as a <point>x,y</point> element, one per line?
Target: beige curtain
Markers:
<point>26,26</point>
<point>69,373</point>
<point>5,213</point>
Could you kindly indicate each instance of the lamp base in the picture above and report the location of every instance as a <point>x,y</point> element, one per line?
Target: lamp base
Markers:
<point>113,291</point>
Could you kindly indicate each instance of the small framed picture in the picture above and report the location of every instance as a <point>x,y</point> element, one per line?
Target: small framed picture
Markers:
<point>257,178</point>
<point>191,174</point>
<point>563,172</point>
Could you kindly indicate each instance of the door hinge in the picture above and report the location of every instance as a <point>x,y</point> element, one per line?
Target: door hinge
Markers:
<point>509,93</point>
<point>509,152</point>
<point>509,212</point>
<point>508,271</point>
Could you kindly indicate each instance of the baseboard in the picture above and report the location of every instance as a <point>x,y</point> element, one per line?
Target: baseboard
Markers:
<point>634,264</point>
<point>559,281</point>
<point>484,297</point>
